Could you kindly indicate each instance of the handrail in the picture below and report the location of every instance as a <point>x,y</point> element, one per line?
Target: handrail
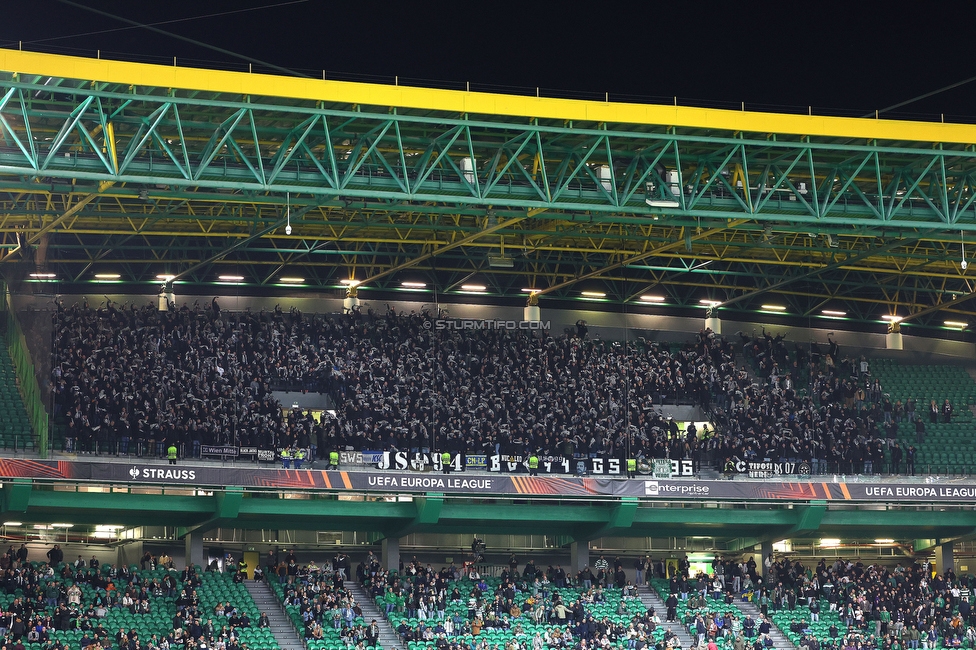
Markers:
<point>30,390</point>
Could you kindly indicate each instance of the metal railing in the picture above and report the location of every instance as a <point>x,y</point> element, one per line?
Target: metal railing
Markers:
<point>30,390</point>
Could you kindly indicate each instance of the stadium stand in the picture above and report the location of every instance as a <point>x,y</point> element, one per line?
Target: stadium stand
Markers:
<point>140,376</point>
<point>847,604</point>
<point>452,608</point>
<point>90,606</point>
<point>135,379</point>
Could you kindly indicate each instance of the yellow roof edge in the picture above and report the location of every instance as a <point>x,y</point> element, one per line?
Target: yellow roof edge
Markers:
<point>478,103</point>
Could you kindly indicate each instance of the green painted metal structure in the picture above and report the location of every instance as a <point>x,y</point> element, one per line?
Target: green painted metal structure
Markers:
<point>113,172</point>
<point>733,526</point>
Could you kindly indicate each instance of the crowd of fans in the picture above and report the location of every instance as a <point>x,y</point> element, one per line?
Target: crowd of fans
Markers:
<point>877,607</point>
<point>47,597</point>
<point>841,420</point>
<point>453,607</point>
<point>125,376</point>
<point>128,378</point>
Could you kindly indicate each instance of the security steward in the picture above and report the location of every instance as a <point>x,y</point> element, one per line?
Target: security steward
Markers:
<point>286,458</point>
<point>241,571</point>
<point>534,465</point>
<point>299,458</point>
<point>631,467</point>
<point>445,462</point>
<point>171,453</point>
<point>333,460</point>
<point>729,469</point>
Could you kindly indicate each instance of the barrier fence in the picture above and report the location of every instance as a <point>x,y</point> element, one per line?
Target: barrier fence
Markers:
<point>30,390</point>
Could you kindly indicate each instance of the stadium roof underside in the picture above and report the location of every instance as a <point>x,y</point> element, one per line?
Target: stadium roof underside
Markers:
<point>140,170</point>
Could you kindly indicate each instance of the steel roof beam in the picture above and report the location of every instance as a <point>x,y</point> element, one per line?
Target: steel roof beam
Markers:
<point>812,273</point>
<point>238,244</point>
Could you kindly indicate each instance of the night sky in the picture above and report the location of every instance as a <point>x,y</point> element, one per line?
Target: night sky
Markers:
<point>839,57</point>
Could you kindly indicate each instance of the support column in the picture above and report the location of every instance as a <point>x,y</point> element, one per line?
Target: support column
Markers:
<point>767,551</point>
<point>166,296</point>
<point>893,337</point>
<point>579,554</point>
<point>531,312</point>
<point>714,324</point>
<point>194,549</point>
<point>944,558</point>
<point>351,300</point>
<point>390,554</point>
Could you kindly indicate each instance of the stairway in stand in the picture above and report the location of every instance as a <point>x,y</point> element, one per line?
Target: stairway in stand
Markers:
<point>780,640</point>
<point>652,600</point>
<point>281,626</point>
<point>388,636</point>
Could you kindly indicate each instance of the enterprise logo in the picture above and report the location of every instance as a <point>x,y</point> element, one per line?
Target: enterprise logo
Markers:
<point>682,488</point>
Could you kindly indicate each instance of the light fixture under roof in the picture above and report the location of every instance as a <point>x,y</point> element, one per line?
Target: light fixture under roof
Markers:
<point>62,525</point>
<point>230,278</point>
<point>956,323</point>
<point>13,523</point>
<point>892,318</point>
<point>291,279</point>
<point>774,308</point>
<point>107,276</point>
<point>528,290</point>
<point>349,282</point>
<point>649,298</point>
<point>834,312</point>
<point>165,276</point>
<point>408,284</point>
<point>708,302</point>
<point>593,294</point>
<point>829,541</point>
<point>473,287</point>
<point>884,540</point>
<point>44,276</point>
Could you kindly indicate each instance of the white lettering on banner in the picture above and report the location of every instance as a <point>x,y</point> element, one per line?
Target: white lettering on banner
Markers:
<point>418,462</point>
<point>921,492</point>
<point>682,488</point>
<point>430,482</point>
<point>350,458</point>
<point>163,474</point>
<point>681,468</point>
<point>556,466</point>
<point>561,465</point>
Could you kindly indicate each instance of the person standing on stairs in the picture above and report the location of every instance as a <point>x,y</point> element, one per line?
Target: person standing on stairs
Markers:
<point>672,604</point>
<point>372,633</point>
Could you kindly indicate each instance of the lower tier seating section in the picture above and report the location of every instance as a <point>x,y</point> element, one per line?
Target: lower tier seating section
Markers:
<point>222,596</point>
<point>702,607</point>
<point>76,607</point>
<point>15,428</point>
<point>498,611</point>
<point>861,604</point>
<point>71,607</point>
<point>322,610</point>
